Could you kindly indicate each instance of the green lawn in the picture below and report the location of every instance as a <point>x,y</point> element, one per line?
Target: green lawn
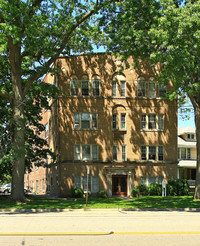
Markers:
<point>38,202</point>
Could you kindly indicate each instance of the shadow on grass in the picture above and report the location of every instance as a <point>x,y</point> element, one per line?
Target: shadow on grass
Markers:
<point>38,204</point>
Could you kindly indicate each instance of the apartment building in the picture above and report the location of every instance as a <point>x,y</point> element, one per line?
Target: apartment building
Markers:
<point>187,155</point>
<point>111,124</point>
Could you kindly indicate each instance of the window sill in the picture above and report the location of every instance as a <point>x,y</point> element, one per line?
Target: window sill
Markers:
<point>152,130</point>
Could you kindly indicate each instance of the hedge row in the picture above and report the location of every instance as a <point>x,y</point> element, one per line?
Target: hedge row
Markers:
<point>178,187</point>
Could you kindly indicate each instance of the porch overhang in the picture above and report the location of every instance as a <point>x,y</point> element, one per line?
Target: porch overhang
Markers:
<point>187,164</point>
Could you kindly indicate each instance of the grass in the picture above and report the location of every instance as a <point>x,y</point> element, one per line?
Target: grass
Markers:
<point>39,202</point>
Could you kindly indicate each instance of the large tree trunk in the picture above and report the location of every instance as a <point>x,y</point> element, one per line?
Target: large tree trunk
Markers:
<point>197,122</point>
<point>17,193</point>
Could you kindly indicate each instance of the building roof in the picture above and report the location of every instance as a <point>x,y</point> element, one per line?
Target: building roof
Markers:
<point>184,143</point>
<point>187,163</point>
<point>187,129</point>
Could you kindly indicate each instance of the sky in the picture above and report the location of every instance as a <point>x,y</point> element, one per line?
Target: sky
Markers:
<point>186,122</point>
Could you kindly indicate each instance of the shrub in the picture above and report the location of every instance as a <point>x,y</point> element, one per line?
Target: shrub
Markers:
<point>139,190</point>
<point>178,187</point>
<point>77,192</point>
<point>102,194</point>
<point>155,190</point>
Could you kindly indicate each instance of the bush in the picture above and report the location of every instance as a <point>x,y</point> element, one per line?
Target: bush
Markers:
<point>155,190</point>
<point>76,192</point>
<point>178,187</point>
<point>102,194</point>
<point>139,190</point>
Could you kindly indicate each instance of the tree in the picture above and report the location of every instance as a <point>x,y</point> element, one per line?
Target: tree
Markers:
<point>166,33</point>
<point>33,34</point>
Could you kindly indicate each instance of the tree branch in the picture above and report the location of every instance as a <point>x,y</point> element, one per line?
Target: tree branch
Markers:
<point>66,38</point>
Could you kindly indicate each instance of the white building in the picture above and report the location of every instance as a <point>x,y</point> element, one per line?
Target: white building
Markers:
<point>187,155</point>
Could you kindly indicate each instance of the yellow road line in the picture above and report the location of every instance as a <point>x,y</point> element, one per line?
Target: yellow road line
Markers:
<point>96,233</point>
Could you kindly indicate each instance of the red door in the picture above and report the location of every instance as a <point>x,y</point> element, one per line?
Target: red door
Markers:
<point>119,184</point>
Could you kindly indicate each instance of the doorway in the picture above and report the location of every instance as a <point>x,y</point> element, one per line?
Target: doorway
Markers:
<point>119,185</point>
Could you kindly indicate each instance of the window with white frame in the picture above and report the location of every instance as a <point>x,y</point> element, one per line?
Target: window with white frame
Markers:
<point>85,88</point>
<point>123,152</point>
<point>162,88</point>
<point>93,183</point>
<point>114,153</point>
<point>141,89</point>
<point>184,153</point>
<point>114,121</point>
<point>123,88</point>
<point>123,121</point>
<point>85,152</point>
<point>152,153</point>
<point>96,88</point>
<point>151,180</point>
<point>114,88</point>
<point>152,122</point>
<point>152,89</point>
<point>74,84</point>
<point>46,130</point>
<point>85,121</point>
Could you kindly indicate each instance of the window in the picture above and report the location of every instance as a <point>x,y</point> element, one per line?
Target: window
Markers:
<point>162,89</point>
<point>123,152</point>
<point>93,183</point>
<point>152,153</point>
<point>160,122</point>
<point>114,88</point>
<point>85,88</point>
<point>143,153</point>
<point>85,121</point>
<point>184,153</point>
<point>141,89</point>
<point>152,122</point>
<point>74,87</point>
<point>86,152</point>
<point>123,121</point>
<point>114,152</point>
<point>76,120</point>
<point>46,130</point>
<point>190,136</point>
<point>152,89</point>
<point>114,121</point>
<point>151,180</point>
<point>96,88</point>
<point>123,88</point>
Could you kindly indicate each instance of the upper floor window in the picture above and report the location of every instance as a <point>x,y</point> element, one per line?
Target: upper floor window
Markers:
<point>123,152</point>
<point>46,130</point>
<point>141,89</point>
<point>152,89</point>
<point>95,86</point>
<point>114,88</point>
<point>123,121</point>
<point>190,136</point>
<point>114,121</point>
<point>152,122</point>
<point>184,153</point>
<point>162,88</point>
<point>123,88</point>
<point>152,153</point>
<point>86,152</point>
<point>74,87</point>
<point>85,121</point>
<point>114,153</point>
<point>85,88</point>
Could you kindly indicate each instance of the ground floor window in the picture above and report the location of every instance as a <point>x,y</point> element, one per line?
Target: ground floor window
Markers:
<point>93,183</point>
<point>151,180</point>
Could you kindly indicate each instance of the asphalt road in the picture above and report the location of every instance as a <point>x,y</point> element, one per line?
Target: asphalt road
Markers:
<point>100,228</point>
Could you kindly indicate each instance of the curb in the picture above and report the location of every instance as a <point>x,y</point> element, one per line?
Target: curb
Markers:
<point>18,211</point>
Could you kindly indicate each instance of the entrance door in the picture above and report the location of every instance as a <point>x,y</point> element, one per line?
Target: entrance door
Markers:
<point>119,184</point>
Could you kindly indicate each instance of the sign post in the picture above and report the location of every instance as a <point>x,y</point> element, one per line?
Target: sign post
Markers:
<point>88,171</point>
<point>164,188</point>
